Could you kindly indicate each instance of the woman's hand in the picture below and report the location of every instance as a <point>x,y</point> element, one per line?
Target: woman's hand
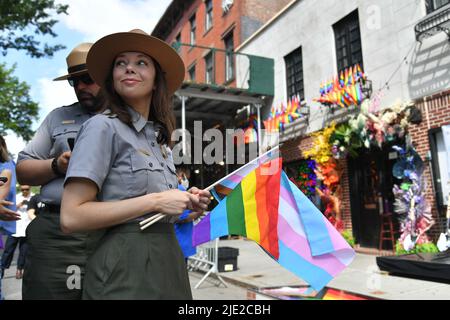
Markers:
<point>204,198</point>
<point>174,202</point>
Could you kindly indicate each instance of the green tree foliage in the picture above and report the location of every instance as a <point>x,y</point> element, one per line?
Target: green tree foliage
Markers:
<point>21,23</point>
<point>17,110</point>
<point>20,18</point>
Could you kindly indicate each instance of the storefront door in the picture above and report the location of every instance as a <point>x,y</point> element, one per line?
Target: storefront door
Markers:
<point>371,183</point>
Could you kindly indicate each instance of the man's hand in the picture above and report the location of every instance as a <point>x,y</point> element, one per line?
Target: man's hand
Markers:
<point>63,161</point>
<point>7,214</point>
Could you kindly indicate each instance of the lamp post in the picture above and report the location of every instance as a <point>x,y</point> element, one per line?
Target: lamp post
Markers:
<point>366,88</point>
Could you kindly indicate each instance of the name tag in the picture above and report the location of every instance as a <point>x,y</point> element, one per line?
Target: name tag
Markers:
<point>68,122</point>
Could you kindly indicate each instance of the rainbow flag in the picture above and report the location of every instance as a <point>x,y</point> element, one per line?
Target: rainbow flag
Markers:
<point>225,186</point>
<point>273,212</point>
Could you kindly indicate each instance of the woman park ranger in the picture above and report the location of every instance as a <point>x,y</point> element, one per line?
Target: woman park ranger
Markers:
<point>122,172</point>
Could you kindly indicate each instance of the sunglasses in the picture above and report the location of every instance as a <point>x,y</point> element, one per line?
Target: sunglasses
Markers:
<point>86,79</point>
<point>24,189</point>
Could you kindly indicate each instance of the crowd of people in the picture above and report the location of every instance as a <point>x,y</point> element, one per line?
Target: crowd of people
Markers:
<point>104,164</point>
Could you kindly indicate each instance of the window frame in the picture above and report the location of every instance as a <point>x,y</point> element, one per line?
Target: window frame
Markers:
<point>438,185</point>
<point>177,42</point>
<point>295,82</point>
<point>210,54</point>
<point>208,15</point>
<point>229,57</point>
<point>430,5</point>
<point>348,44</point>
<point>192,30</point>
<point>190,68</point>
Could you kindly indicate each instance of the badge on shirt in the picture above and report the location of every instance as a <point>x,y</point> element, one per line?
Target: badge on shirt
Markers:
<point>68,122</point>
<point>144,152</point>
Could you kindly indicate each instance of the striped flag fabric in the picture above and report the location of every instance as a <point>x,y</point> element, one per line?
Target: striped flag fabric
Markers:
<point>225,186</point>
<point>273,212</point>
<point>250,210</point>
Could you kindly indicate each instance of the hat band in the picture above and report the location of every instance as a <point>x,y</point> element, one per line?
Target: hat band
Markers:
<point>77,68</point>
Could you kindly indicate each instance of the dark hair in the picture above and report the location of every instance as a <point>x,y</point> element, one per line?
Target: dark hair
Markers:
<point>4,156</point>
<point>160,109</point>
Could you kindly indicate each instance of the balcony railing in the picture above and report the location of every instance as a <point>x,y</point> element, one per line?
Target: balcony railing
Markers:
<point>227,69</point>
<point>433,23</point>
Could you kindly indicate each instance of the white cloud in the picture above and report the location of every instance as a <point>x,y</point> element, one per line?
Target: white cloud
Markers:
<point>95,19</point>
<point>14,144</point>
<point>53,94</point>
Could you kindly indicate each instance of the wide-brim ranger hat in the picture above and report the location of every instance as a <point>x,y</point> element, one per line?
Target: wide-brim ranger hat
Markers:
<point>102,54</point>
<point>76,61</point>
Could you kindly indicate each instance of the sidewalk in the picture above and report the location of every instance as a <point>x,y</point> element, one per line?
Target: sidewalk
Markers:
<point>256,270</point>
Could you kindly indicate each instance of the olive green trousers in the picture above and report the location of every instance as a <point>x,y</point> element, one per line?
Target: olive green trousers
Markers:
<point>131,264</point>
<point>54,265</point>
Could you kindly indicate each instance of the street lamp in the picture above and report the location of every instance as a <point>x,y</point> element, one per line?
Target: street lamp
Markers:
<point>304,108</point>
<point>366,88</point>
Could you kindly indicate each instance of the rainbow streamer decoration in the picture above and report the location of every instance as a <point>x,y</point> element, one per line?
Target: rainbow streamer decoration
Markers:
<point>282,115</point>
<point>250,132</point>
<point>344,90</point>
<point>273,212</point>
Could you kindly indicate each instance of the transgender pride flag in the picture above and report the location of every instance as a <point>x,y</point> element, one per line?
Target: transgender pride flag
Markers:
<point>273,212</point>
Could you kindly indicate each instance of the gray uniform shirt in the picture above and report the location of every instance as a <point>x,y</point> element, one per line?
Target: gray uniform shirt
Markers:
<point>124,162</point>
<point>50,141</point>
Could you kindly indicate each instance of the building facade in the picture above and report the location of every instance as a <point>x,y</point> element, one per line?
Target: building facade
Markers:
<point>404,49</point>
<point>209,30</point>
<point>205,33</point>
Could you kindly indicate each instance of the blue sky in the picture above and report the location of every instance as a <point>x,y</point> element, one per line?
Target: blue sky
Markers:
<point>87,21</point>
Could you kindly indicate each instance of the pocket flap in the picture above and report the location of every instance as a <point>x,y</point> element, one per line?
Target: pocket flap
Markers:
<point>140,161</point>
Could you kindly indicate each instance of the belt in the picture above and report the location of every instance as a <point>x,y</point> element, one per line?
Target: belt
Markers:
<point>50,208</point>
<point>134,227</point>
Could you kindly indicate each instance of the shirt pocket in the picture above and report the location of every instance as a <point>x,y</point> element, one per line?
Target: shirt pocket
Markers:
<point>146,174</point>
<point>60,136</point>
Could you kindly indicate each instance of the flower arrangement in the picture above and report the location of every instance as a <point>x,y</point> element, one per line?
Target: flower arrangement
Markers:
<point>306,179</point>
<point>329,172</point>
<point>374,128</point>
<point>410,203</point>
<point>321,150</point>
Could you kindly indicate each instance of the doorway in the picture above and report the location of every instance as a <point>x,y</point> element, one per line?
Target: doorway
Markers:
<point>371,182</point>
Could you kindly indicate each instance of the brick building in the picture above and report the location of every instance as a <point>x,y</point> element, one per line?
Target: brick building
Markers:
<point>403,47</point>
<point>205,33</point>
<point>202,25</point>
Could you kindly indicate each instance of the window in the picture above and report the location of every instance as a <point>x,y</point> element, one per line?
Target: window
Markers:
<point>193,28</point>
<point>433,5</point>
<point>229,57</point>
<point>191,72</point>
<point>294,74</point>
<point>209,68</point>
<point>209,15</point>
<point>177,43</point>
<point>439,147</point>
<point>348,42</point>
